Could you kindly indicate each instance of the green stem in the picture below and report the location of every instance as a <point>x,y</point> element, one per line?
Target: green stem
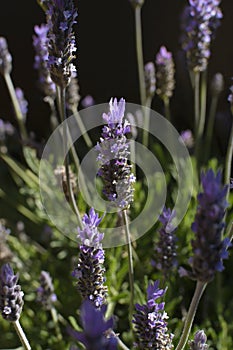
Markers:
<point>55,321</point>
<point>167,111</point>
<point>201,122</point>
<point>200,287</point>
<point>21,335</point>
<point>196,100</point>
<point>61,101</point>
<point>15,102</point>
<point>82,128</point>
<point>145,136</point>
<point>130,262</point>
<point>138,31</point>
<point>210,125</point>
<point>229,158</point>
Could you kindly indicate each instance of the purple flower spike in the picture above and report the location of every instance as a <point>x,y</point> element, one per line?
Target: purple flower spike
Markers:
<point>150,322</point>
<point>165,73</point>
<point>209,249</point>
<point>61,16</point>
<point>97,333</point>
<point>11,296</point>
<point>23,103</point>
<point>89,270</point>
<point>199,342</point>
<point>165,249</point>
<point>150,79</point>
<point>113,156</point>
<point>5,57</point>
<point>200,21</point>
<point>45,293</point>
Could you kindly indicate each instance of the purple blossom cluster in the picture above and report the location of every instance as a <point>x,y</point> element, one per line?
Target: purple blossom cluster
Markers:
<point>150,79</point>
<point>165,71</point>
<point>61,16</point>
<point>200,21</point>
<point>113,149</point>
<point>150,322</point>
<point>23,103</point>
<point>165,249</point>
<point>199,341</point>
<point>45,293</point>
<point>89,270</point>
<point>5,57</point>
<point>11,296</point>
<point>97,332</point>
<point>209,249</point>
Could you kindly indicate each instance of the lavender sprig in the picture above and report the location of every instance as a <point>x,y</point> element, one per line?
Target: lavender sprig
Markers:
<point>61,16</point>
<point>165,82</point>
<point>97,332</point>
<point>45,293</point>
<point>89,270</point>
<point>5,57</point>
<point>199,342</point>
<point>209,249</point>
<point>150,322</point>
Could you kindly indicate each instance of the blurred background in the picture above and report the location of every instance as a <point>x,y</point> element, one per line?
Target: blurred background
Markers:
<point>106,60</point>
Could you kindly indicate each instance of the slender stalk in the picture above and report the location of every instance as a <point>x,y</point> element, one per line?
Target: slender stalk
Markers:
<point>167,111</point>
<point>130,262</point>
<point>210,125</point>
<point>61,101</point>
<point>229,158</point>
<point>138,31</point>
<point>21,335</point>
<point>121,344</point>
<point>56,324</point>
<point>200,287</point>
<point>196,100</point>
<point>82,128</point>
<point>16,106</point>
<point>145,136</point>
<point>201,122</point>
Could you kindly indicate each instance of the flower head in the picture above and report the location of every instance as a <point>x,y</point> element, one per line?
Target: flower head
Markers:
<point>165,249</point>
<point>165,73</point>
<point>200,21</point>
<point>23,103</point>
<point>209,249</point>
<point>113,156</point>
<point>40,43</point>
<point>199,342</point>
<point>11,296</point>
<point>150,322</point>
<point>45,293</point>
<point>96,333</point>
<point>89,270</point>
<point>5,57</point>
<point>150,79</point>
<point>61,16</point>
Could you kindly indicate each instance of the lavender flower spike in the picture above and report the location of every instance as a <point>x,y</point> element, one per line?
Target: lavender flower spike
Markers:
<point>45,293</point>
<point>5,57</point>
<point>11,296</point>
<point>150,79</point>
<point>165,73</point>
<point>200,21</point>
<point>209,249</point>
<point>61,17</point>
<point>150,322</point>
<point>165,249</point>
<point>113,157</point>
<point>89,270</point>
<point>97,334</point>
<point>23,103</point>
<point>199,342</point>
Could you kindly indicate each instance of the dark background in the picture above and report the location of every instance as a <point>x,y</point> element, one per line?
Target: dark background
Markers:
<point>106,60</point>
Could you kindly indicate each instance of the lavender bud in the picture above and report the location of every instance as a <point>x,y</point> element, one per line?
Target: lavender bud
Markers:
<point>45,293</point>
<point>89,270</point>
<point>23,103</point>
<point>200,21</point>
<point>217,84</point>
<point>88,101</point>
<point>11,296</point>
<point>199,342</point>
<point>96,333</point>
<point>150,79</point>
<point>113,157</point>
<point>187,137</point>
<point>5,57</point>
<point>165,249</point>
<point>61,17</point>
<point>209,249</point>
<point>150,322</point>
<point>72,94</point>
<point>40,43</point>
<point>230,97</point>
<point>165,73</point>
<point>6,129</point>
